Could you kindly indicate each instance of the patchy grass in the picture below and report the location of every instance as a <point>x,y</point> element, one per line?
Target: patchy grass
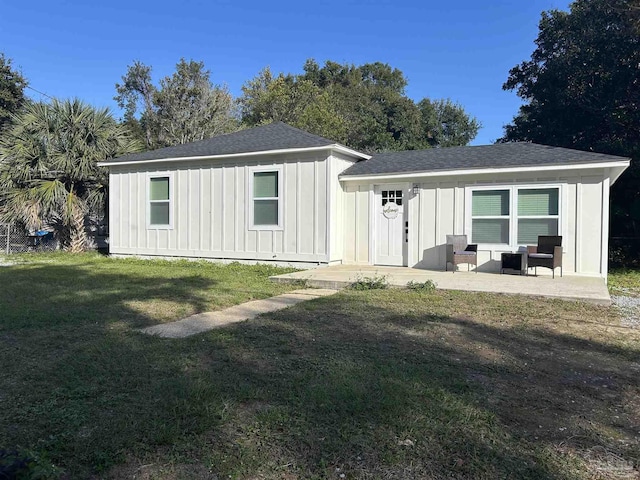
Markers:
<point>364,384</point>
<point>625,282</point>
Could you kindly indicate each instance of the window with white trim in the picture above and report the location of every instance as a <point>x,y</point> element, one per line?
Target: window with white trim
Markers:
<point>266,199</point>
<point>159,212</point>
<point>514,215</point>
<point>538,214</point>
<point>490,216</point>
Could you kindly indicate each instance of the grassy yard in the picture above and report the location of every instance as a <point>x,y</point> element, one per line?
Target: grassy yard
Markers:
<point>625,282</point>
<point>365,384</point>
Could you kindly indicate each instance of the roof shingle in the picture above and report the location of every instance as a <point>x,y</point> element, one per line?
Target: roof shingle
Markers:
<point>500,155</point>
<point>274,136</point>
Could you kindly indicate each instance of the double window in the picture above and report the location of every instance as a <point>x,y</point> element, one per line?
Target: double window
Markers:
<point>160,213</point>
<point>514,215</point>
<point>266,199</point>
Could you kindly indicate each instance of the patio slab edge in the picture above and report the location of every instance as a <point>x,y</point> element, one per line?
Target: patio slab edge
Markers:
<point>317,279</point>
<point>312,283</point>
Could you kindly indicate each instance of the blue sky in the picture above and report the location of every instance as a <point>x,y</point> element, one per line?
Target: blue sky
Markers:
<point>461,50</point>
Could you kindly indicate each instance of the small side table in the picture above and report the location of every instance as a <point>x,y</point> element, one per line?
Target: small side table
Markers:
<point>513,261</point>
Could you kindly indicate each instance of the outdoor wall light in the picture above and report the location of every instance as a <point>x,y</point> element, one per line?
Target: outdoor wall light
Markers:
<point>416,189</point>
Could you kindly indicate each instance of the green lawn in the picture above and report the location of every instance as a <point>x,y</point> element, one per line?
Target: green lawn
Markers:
<point>364,384</point>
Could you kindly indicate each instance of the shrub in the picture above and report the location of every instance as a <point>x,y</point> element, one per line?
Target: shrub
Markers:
<point>427,286</point>
<point>370,283</point>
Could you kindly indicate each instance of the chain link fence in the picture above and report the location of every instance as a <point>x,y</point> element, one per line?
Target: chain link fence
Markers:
<point>15,239</point>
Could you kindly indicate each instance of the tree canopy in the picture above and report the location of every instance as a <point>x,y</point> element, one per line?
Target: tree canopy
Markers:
<point>581,89</point>
<point>49,174</point>
<point>184,107</point>
<point>364,107</point>
<point>12,85</point>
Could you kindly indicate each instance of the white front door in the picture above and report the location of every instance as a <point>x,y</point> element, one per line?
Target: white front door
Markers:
<point>390,224</point>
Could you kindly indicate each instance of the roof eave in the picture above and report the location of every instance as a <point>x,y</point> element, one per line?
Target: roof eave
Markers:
<point>617,166</point>
<point>336,147</point>
<point>616,171</point>
<point>349,151</point>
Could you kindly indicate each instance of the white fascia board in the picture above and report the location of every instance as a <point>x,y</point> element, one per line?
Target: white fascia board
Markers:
<point>349,151</point>
<point>622,165</point>
<point>336,147</point>
<point>616,171</point>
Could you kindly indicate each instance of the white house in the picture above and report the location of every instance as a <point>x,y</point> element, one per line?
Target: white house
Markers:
<point>277,193</point>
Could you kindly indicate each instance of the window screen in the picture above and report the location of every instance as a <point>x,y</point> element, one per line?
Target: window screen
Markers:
<point>539,201</point>
<point>530,228</point>
<point>490,203</point>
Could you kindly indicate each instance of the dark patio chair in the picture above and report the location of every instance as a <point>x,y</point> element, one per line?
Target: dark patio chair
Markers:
<point>459,251</point>
<point>548,253</point>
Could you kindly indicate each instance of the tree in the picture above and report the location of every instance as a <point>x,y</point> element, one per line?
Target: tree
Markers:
<point>136,93</point>
<point>294,101</point>
<point>49,174</point>
<point>362,106</point>
<point>371,99</point>
<point>12,85</point>
<point>446,124</point>
<point>190,107</point>
<point>185,107</point>
<point>581,89</point>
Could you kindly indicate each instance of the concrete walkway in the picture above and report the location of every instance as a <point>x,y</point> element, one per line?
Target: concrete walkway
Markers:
<point>204,322</point>
<point>569,287</point>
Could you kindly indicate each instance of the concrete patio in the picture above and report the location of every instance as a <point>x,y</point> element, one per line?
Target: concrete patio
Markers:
<point>569,287</point>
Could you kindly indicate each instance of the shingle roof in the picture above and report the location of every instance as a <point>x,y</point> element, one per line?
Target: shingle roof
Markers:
<point>274,136</point>
<point>501,155</point>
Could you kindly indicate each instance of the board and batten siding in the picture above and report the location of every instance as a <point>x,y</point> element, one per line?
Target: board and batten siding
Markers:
<point>210,210</point>
<point>358,200</point>
<point>338,164</point>
<point>440,210</point>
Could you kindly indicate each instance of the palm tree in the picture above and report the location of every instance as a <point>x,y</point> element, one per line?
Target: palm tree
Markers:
<point>49,174</point>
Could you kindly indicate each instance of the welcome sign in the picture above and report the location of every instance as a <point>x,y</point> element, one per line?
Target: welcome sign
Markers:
<point>390,210</point>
